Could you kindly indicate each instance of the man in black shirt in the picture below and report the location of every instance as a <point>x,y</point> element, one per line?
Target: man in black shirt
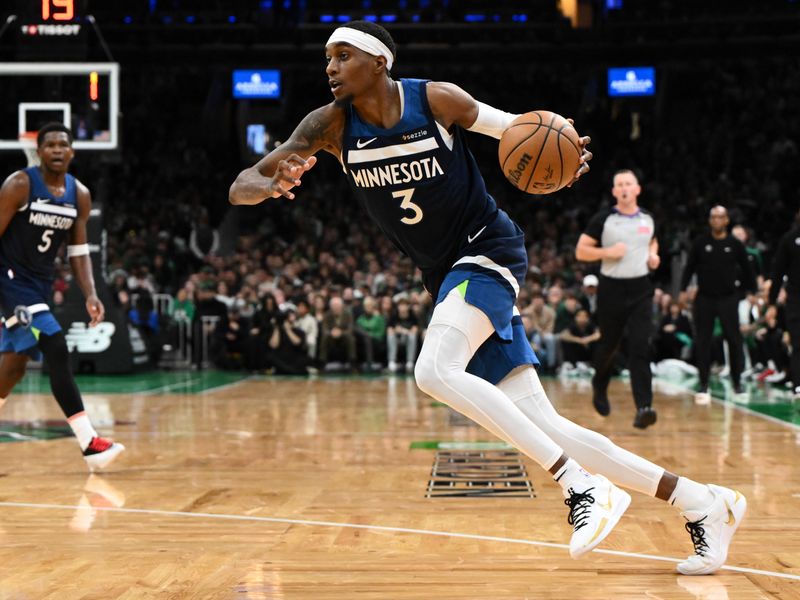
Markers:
<point>786,269</point>
<point>715,257</point>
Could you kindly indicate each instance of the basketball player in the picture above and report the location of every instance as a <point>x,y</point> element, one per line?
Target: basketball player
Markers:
<point>401,144</point>
<point>40,207</point>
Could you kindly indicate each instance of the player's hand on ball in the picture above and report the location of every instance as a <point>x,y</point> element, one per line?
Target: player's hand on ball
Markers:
<point>586,156</point>
<point>288,175</point>
<point>96,310</point>
<point>618,250</point>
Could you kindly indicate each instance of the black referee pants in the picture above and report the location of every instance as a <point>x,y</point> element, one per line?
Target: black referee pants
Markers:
<point>706,309</point>
<point>792,315</point>
<point>625,303</point>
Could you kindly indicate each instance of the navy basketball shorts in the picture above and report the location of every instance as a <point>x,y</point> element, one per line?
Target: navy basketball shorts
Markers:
<point>488,275</point>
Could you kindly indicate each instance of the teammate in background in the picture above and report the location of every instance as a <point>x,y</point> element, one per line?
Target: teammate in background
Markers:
<point>402,146</point>
<point>40,207</point>
<point>623,238</point>
<point>720,262</point>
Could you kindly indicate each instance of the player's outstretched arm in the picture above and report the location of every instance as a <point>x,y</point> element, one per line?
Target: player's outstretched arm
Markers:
<point>280,170</point>
<point>13,195</point>
<point>79,259</point>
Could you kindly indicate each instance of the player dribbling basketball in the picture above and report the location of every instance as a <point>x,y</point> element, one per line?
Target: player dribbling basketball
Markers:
<point>401,144</point>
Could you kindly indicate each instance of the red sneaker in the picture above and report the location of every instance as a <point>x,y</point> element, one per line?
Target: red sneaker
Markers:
<point>101,452</point>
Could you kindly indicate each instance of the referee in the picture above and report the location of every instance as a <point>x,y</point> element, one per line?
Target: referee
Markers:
<point>786,270</point>
<point>623,238</point>
<point>714,257</point>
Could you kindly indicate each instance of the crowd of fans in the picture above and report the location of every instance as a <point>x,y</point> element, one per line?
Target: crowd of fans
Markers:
<point>313,284</point>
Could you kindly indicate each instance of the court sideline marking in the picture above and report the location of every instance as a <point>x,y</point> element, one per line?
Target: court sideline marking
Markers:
<point>469,536</point>
<point>724,402</point>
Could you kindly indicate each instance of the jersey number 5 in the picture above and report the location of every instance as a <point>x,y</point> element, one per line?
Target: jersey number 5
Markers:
<point>46,241</point>
<point>407,204</point>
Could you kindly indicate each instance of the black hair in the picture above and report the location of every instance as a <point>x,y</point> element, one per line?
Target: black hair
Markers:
<point>53,126</point>
<point>375,30</point>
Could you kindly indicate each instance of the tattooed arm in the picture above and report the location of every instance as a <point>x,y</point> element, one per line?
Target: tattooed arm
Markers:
<point>280,170</point>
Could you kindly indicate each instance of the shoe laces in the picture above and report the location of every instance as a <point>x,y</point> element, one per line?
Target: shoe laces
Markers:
<point>698,533</point>
<point>579,508</point>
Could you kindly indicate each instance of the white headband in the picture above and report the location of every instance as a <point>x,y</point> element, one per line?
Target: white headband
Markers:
<point>363,41</point>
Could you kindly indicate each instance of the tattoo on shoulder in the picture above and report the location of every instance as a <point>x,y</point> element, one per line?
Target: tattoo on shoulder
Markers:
<point>318,129</point>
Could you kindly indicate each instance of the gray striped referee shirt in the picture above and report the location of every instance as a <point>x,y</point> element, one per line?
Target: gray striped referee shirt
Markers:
<point>636,231</point>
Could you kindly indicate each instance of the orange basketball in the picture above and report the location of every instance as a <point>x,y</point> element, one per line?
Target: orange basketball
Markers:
<point>540,152</point>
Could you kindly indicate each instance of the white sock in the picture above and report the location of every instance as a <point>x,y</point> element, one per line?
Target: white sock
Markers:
<point>82,428</point>
<point>572,475</point>
<point>690,495</point>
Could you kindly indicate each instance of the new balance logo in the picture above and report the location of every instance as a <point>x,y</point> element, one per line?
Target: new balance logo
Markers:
<point>89,339</point>
<point>360,144</point>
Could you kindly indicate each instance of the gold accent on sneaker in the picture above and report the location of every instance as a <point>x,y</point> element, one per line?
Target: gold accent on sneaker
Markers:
<point>731,519</point>
<point>607,505</point>
<point>600,529</point>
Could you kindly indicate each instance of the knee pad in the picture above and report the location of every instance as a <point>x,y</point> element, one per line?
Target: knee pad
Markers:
<point>54,348</point>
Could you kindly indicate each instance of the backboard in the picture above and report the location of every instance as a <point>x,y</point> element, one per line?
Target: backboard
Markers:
<point>84,96</point>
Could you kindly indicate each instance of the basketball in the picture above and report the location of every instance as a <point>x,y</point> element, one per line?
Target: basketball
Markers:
<point>540,152</point>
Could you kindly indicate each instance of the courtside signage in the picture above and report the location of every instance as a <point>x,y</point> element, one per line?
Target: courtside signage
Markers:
<point>631,81</point>
<point>257,84</point>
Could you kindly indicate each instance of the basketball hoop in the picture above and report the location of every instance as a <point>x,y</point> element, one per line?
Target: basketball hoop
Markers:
<point>28,141</point>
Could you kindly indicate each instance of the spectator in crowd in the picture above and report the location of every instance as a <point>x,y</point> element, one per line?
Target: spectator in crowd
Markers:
<point>577,341</point>
<point>371,330</point>
<point>674,339</point>
<point>144,317</point>
<point>589,294</point>
<point>287,348</point>
<point>306,323</point>
<point>541,319</point>
<point>402,331</point>
<point>259,334</point>
<point>338,337</point>
<point>771,341</point>
<point>234,338</point>
<point>566,311</point>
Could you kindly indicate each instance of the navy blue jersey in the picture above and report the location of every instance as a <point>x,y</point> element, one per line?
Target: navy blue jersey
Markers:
<point>418,182</point>
<point>32,239</point>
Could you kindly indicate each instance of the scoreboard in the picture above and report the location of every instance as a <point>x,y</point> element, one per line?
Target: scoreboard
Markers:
<point>51,29</point>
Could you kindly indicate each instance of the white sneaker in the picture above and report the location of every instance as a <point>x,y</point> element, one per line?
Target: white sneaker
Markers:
<point>392,367</point>
<point>566,369</point>
<point>712,529</point>
<point>775,377</point>
<point>702,398</point>
<point>594,512</point>
<point>409,367</point>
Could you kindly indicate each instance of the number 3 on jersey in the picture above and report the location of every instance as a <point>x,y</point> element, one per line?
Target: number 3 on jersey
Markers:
<point>407,204</point>
<point>46,241</point>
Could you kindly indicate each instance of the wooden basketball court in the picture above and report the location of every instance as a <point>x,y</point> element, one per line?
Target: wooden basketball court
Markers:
<point>271,488</point>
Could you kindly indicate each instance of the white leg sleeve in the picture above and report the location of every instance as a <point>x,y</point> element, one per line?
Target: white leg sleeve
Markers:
<point>593,451</point>
<point>456,331</point>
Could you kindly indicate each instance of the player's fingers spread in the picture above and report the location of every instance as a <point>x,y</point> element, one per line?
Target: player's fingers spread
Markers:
<point>310,162</point>
<point>586,157</point>
<point>585,141</point>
